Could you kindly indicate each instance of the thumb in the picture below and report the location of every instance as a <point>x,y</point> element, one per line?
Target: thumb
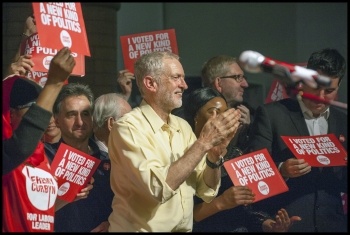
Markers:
<point>295,218</point>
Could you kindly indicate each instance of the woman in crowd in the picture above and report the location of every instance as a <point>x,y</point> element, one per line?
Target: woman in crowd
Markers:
<point>233,201</point>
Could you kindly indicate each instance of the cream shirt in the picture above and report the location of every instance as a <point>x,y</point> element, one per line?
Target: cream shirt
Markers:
<point>141,152</point>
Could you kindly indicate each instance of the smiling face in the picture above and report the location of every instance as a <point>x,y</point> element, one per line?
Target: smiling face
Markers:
<point>214,106</point>
<point>52,133</point>
<point>172,85</point>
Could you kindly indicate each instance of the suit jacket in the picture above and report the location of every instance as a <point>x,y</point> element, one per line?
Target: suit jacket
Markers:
<point>315,197</point>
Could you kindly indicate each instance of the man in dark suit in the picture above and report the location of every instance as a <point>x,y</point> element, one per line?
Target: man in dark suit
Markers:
<point>314,193</point>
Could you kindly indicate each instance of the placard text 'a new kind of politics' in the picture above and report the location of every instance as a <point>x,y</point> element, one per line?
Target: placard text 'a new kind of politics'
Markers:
<point>73,169</point>
<point>257,171</point>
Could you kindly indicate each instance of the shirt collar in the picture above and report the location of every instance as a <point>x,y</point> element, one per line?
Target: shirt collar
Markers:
<point>155,121</point>
<point>100,144</point>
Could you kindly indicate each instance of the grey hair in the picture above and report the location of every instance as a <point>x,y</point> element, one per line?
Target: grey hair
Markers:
<point>216,66</point>
<point>73,89</point>
<point>151,64</point>
<point>109,105</point>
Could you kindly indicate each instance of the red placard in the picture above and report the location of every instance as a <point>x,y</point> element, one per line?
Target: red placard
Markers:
<point>136,45</point>
<point>61,24</point>
<point>73,169</point>
<point>42,57</point>
<point>317,150</point>
<point>277,92</point>
<point>257,171</point>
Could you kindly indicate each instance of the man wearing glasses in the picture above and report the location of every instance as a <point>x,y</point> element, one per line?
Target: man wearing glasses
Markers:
<point>223,73</point>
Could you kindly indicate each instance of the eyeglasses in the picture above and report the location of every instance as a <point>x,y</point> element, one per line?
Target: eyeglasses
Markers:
<point>238,77</point>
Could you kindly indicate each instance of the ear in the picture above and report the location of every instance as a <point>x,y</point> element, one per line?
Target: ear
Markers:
<point>150,83</point>
<point>195,120</point>
<point>56,121</point>
<point>217,84</point>
<point>110,122</point>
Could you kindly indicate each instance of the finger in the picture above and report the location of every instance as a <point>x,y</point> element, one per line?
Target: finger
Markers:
<point>123,71</point>
<point>71,60</point>
<point>92,180</point>
<point>64,53</point>
<point>131,76</point>
<point>243,108</point>
<point>82,195</point>
<point>27,63</point>
<point>295,218</point>
<point>278,220</point>
<point>88,188</point>
<point>21,71</point>
<point>128,74</point>
<point>284,217</point>
<point>27,56</point>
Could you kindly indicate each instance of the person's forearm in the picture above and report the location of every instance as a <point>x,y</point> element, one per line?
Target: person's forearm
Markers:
<point>25,138</point>
<point>181,169</point>
<point>203,210</point>
<point>48,95</point>
<point>212,177</point>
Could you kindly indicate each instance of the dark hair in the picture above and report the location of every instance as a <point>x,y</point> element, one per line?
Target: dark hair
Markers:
<point>196,100</point>
<point>73,89</point>
<point>329,61</point>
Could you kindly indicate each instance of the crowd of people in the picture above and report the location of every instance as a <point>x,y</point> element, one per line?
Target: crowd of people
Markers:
<point>160,171</point>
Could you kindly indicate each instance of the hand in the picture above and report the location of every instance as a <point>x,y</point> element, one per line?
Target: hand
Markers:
<point>22,65</point>
<point>124,81</point>
<point>245,115</point>
<point>101,228</point>
<point>61,66</point>
<point>59,203</point>
<point>30,26</point>
<point>236,196</point>
<point>85,191</point>
<point>220,129</point>
<point>294,168</point>
<point>282,223</point>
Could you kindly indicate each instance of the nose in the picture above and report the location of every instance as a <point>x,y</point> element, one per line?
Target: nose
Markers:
<point>79,120</point>
<point>183,83</point>
<point>244,83</point>
<point>320,93</point>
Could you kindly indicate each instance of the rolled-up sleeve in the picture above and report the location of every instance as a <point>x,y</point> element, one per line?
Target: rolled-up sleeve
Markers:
<point>141,155</point>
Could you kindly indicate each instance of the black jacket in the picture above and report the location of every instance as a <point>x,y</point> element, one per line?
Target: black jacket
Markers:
<point>315,197</point>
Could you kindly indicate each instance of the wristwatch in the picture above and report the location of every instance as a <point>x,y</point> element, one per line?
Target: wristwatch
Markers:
<point>216,164</point>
